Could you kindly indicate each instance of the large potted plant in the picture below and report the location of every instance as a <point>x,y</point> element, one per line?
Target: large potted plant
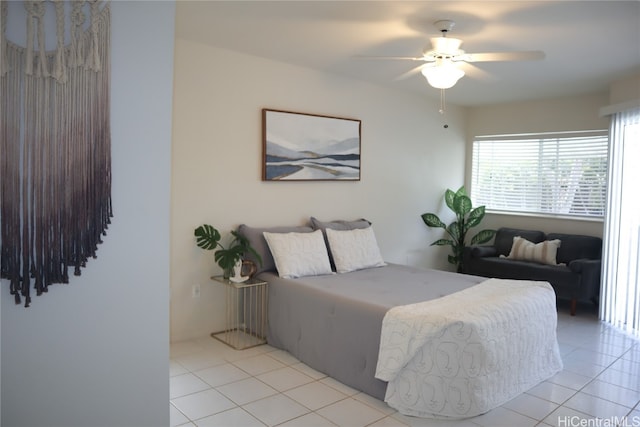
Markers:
<point>466,218</point>
<point>208,238</point>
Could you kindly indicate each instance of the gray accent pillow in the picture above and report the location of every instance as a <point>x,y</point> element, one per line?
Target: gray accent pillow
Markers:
<point>259,243</point>
<point>339,224</point>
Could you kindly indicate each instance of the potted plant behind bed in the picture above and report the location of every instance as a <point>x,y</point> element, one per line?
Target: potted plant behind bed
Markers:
<point>466,217</point>
<point>208,238</point>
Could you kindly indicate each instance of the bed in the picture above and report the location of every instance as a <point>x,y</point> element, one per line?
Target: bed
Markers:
<point>453,345</point>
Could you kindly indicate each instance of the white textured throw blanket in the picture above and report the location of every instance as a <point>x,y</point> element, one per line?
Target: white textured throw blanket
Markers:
<point>466,353</point>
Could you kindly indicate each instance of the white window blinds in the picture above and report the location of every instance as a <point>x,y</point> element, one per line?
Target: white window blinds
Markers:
<point>620,295</point>
<point>560,174</point>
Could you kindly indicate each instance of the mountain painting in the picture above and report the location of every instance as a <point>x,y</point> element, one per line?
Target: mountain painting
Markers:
<point>305,147</point>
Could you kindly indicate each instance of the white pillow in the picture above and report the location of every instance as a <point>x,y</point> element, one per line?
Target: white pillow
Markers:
<point>299,254</point>
<point>543,252</point>
<point>354,249</point>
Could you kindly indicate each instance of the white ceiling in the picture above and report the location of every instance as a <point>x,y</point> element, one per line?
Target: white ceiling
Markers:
<point>588,44</point>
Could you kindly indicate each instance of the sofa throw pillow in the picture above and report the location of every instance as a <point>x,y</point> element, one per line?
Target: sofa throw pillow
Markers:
<point>543,252</point>
<point>354,249</point>
<point>299,254</point>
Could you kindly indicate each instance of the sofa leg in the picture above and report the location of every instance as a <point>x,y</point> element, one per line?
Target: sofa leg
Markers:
<point>572,309</point>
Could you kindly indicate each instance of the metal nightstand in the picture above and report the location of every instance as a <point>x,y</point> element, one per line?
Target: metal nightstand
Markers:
<point>246,313</point>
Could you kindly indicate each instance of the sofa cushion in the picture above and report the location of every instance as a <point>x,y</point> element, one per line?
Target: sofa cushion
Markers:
<point>483,251</point>
<point>575,246</point>
<point>504,238</point>
<point>563,280</point>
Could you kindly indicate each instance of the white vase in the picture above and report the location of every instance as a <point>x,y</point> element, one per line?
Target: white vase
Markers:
<point>237,272</point>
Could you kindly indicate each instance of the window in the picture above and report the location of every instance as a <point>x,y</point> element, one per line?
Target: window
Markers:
<point>560,174</point>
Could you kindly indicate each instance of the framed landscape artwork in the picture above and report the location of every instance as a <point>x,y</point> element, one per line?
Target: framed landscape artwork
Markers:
<point>308,147</point>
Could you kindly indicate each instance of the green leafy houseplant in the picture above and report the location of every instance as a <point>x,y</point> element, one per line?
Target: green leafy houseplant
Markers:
<point>208,238</point>
<point>466,217</point>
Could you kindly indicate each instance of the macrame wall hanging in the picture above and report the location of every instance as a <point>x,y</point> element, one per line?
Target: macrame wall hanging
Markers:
<point>55,146</point>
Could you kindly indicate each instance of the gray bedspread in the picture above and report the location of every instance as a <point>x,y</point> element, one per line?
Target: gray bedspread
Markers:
<point>332,323</point>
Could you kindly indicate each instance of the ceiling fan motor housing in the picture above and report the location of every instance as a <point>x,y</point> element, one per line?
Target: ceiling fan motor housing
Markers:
<point>444,25</point>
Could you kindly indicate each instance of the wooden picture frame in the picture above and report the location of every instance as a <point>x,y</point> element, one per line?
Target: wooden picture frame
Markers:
<point>309,147</point>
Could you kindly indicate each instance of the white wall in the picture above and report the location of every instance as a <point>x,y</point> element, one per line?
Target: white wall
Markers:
<point>625,89</point>
<point>408,160</point>
<point>552,115</point>
<point>95,352</point>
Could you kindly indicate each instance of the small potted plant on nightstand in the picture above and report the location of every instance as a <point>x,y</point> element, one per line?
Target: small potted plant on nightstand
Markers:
<point>208,238</point>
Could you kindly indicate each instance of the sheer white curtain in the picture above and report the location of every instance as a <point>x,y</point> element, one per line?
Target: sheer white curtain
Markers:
<point>620,295</point>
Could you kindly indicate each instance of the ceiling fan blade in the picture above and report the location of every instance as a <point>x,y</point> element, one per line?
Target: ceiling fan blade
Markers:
<point>530,55</point>
<point>411,72</point>
<point>402,58</point>
<point>476,72</point>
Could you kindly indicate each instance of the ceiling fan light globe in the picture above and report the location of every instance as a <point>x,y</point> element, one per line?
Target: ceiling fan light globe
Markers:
<point>442,77</point>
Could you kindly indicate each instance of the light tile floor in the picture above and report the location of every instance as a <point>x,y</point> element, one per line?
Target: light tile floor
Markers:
<point>214,385</point>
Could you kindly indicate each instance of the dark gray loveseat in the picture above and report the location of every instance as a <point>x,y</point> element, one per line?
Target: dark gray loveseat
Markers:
<point>577,280</point>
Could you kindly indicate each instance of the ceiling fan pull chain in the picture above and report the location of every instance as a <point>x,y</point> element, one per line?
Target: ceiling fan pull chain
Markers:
<point>442,108</point>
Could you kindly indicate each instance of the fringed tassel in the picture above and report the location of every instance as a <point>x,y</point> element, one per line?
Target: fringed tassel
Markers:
<point>4,11</point>
<point>29,6</point>
<point>93,59</point>
<point>35,11</point>
<point>60,66</point>
<point>42,49</point>
<point>10,220</point>
<point>76,51</point>
<point>55,167</point>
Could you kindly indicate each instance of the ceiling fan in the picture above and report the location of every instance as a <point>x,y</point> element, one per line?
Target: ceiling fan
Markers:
<point>441,69</point>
